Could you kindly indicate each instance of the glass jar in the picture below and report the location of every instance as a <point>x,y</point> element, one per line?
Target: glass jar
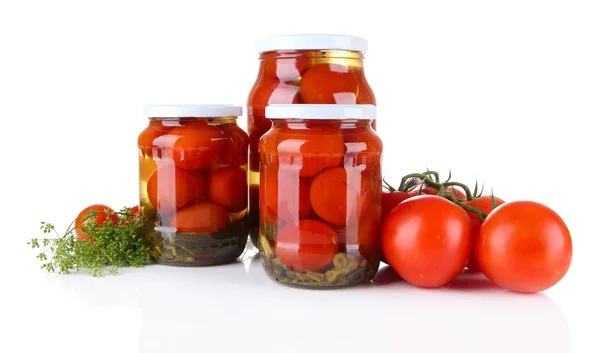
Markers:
<point>310,69</point>
<point>193,184</point>
<point>320,195</point>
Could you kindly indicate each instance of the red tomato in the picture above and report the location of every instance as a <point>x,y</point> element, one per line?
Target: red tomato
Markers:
<point>524,246</point>
<point>200,218</point>
<point>228,187</point>
<point>306,245</point>
<point>235,151</point>
<point>365,93</point>
<point>82,219</point>
<point>171,188</point>
<point>285,193</point>
<point>389,200</point>
<point>427,240</point>
<point>196,145</point>
<point>317,148</point>
<point>270,92</point>
<point>338,195</point>
<point>483,203</point>
<point>456,192</point>
<point>288,69</point>
<point>426,191</point>
<point>135,209</point>
<point>362,145</point>
<point>148,140</point>
<point>329,84</point>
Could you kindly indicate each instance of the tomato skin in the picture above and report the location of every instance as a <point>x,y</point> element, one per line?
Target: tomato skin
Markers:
<point>301,144</point>
<point>427,240</point>
<point>285,194</point>
<point>178,187</point>
<point>338,195</point>
<point>135,209</point>
<point>306,245</point>
<point>483,203</point>
<point>100,219</point>
<point>196,145</point>
<point>200,218</point>
<point>228,188</point>
<point>456,192</point>
<point>285,69</point>
<point>389,200</point>
<point>329,84</point>
<point>149,138</point>
<point>235,150</point>
<point>524,246</point>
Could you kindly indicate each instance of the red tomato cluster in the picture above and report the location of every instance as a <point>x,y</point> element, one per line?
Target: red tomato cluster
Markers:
<point>428,240</point>
<point>318,201</point>
<point>104,214</point>
<point>200,177</point>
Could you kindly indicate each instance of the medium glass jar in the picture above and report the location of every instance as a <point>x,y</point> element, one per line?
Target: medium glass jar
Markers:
<point>320,195</point>
<point>310,69</point>
<point>193,184</point>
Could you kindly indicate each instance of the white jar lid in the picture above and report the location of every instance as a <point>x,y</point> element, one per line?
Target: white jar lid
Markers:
<point>312,42</point>
<point>321,111</point>
<point>192,110</point>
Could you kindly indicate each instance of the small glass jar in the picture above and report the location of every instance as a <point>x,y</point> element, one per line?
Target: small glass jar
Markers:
<point>320,195</point>
<point>193,184</point>
<point>309,69</point>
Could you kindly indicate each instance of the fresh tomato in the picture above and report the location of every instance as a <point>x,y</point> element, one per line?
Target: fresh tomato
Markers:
<point>338,195</point>
<point>483,203</point>
<point>329,84</point>
<point>427,240</point>
<point>235,151</point>
<point>306,245</point>
<point>150,141</point>
<point>228,187</point>
<point>456,192</point>
<point>196,145</point>
<point>389,200</point>
<point>285,193</point>
<point>524,246</point>
<point>82,219</point>
<point>170,188</point>
<point>135,209</point>
<point>295,145</point>
<point>201,218</point>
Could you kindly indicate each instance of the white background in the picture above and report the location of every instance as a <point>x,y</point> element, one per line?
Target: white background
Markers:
<point>505,92</point>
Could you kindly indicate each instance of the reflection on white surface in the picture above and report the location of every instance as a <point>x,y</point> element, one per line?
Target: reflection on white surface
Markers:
<point>236,307</point>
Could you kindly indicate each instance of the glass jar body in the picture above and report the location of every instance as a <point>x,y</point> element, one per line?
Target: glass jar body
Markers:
<point>304,76</point>
<point>320,202</point>
<point>194,190</point>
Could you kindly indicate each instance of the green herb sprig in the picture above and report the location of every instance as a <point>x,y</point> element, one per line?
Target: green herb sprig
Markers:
<point>112,245</point>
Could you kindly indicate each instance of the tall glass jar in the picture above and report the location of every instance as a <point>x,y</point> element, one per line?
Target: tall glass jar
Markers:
<point>320,195</point>
<point>193,184</point>
<point>310,69</point>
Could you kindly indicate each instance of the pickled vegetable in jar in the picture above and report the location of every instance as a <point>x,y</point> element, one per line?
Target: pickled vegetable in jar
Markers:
<point>193,184</point>
<point>320,195</point>
<point>309,69</point>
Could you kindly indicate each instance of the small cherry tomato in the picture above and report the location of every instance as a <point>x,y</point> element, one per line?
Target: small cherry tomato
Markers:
<point>83,219</point>
<point>270,92</point>
<point>427,240</point>
<point>228,187</point>
<point>329,84</point>
<point>235,151</point>
<point>171,188</point>
<point>135,209</point>
<point>317,148</point>
<point>200,218</point>
<point>149,140</point>
<point>363,145</point>
<point>285,193</point>
<point>524,246</point>
<point>389,200</point>
<point>306,245</point>
<point>483,203</point>
<point>338,195</point>
<point>196,145</point>
<point>285,69</point>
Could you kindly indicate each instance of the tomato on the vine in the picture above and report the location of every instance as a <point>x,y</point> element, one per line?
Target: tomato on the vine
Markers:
<point>524,246</point>
<point>329,84</point>
<point>102,216</point>
<point>389,200</point>
<point>456,192</point>
<point>306,245</point>
<point>427,240</point>
<point>484,204</point>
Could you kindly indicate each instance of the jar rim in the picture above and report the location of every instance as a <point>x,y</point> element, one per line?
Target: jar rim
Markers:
<point>312,42</point>
<point>192,110</point>
<point>321,111</point>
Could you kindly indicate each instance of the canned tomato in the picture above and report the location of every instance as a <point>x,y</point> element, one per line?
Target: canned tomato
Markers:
<point>320,195</point>
<point>193,184</point>
<point>309,69</point>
